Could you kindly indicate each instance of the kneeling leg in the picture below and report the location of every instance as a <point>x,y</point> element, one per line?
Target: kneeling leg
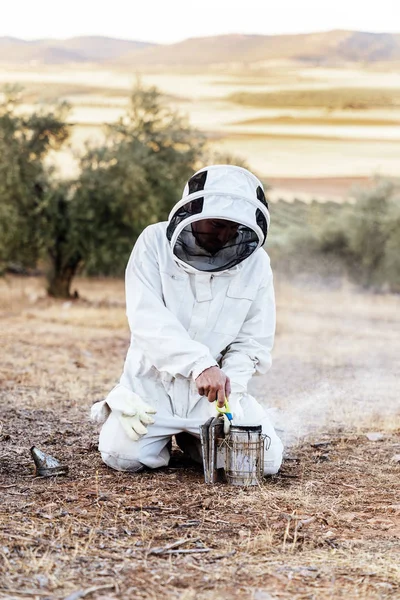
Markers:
<point>255,414</point>
<point>119,452</point>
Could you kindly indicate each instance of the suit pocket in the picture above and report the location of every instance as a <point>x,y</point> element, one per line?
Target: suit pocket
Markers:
<point>234,309</point>
<point>173,289</point>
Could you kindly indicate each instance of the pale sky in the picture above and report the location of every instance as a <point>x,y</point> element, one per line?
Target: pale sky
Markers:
<point>168,21</point>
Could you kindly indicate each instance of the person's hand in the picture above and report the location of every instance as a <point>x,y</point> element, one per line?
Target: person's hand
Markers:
<point>214,384</point>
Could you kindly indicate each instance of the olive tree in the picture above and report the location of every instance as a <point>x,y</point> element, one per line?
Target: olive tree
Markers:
<point>91,222</point>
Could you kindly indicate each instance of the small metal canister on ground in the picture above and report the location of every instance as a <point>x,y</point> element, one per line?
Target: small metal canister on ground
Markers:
<point>244,455</point>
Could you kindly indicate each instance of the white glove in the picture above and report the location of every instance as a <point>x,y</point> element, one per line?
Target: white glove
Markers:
<point>132,412</point>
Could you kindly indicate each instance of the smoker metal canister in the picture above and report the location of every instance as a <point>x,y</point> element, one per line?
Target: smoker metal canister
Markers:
<point>212,440</point>
<point>244,458</point>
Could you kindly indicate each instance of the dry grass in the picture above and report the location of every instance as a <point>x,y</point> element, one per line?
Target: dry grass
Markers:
<point>353,121</point>
<point>328,526</point>
<point>334,98</point>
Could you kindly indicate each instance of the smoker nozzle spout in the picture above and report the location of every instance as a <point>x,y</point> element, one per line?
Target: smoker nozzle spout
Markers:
<point>46,465</point>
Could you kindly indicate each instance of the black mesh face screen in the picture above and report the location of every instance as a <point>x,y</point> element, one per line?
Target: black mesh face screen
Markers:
<point>197,182</point>
<point>201,249</point>
<point>187,210</point>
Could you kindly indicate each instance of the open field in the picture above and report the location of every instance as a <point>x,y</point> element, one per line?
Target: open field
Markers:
<point>328,526</point>
<point>291,122</point>
<point>338,98</point>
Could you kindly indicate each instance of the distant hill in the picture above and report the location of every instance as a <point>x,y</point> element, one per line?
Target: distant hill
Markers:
<point>327,48</point>
<point>94,49</point>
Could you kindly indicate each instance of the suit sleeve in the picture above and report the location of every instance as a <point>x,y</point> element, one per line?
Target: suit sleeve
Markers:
<point>250,352</point>
<point>157,331</point>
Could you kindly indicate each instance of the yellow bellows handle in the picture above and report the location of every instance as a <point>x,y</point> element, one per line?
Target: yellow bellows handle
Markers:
<point>225,410</point>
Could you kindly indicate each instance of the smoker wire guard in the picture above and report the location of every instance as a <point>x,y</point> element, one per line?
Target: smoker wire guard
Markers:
<point>255,449</point>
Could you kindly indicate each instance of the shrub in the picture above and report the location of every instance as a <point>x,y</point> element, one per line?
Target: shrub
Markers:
<point>366,236</point>
<point>361,239</point>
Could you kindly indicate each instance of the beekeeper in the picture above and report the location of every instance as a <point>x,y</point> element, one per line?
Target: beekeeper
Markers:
<point>201,310</point>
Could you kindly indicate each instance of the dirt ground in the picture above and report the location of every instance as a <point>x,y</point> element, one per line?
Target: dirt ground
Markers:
<point>327,526</point>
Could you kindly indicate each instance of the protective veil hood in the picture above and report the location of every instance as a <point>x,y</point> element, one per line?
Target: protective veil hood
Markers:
<point>219,192</point>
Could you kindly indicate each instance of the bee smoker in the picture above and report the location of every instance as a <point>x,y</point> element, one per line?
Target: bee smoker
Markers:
<point>237,458</point>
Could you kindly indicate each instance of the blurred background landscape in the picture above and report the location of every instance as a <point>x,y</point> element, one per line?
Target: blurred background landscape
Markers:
<point>316,116</point>
<point>296,107</point>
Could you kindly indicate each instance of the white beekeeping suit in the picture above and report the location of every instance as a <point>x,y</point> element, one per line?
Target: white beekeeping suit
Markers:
<point>190,309</point>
